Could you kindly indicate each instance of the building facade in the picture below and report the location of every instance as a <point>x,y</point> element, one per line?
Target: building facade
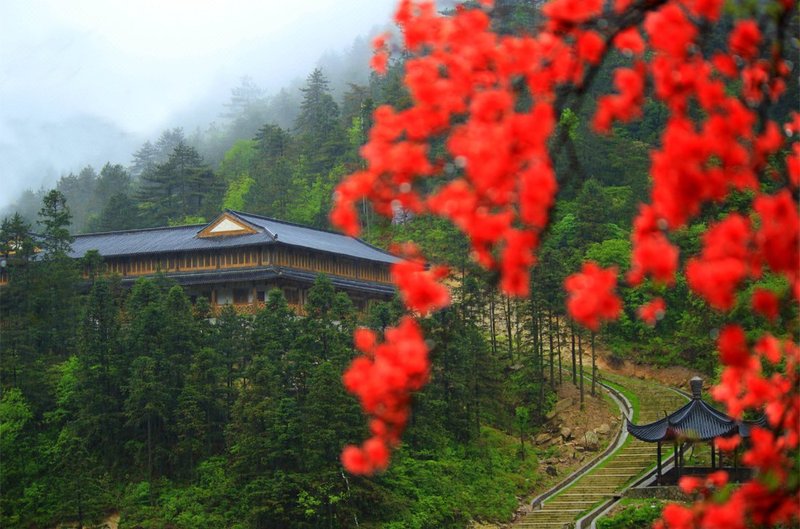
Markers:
<point>238,257</point>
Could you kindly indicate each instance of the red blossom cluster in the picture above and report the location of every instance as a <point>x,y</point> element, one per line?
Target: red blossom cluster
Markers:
<point>652,311</point>
<point>383,379</point>
<point>420,287</point>
<point>591,297</point>
<point>474,145</point>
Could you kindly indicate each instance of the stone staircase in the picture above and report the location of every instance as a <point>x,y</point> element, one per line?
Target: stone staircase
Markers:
<point>619,469</point>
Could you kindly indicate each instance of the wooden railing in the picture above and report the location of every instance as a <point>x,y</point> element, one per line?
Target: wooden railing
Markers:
<point>251,309</point>
<point>251,258</point>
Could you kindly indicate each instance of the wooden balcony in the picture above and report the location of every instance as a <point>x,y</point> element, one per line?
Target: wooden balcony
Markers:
<point>251,309</point>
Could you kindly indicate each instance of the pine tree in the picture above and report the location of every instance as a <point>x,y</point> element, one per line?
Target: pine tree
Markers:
<point>144,160</point>
<point>317,125</point>
<point>181,187</point>
<point>55,219</point>
<point>103,370</point>
<point>120,213</point>
<point>16,307</point>
<point>55,297</point>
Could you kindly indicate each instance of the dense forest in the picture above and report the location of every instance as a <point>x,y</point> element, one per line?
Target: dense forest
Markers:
<point>141,403</point>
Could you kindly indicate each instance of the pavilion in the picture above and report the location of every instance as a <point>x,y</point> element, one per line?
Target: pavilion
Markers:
<point>695,422</point>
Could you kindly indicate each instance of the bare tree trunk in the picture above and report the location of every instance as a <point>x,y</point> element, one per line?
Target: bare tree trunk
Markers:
<point>149,449</point>
<point>492,327</point>
<point>580,359</point>
<point>574,366</point>
<point>594,368</point>
<point>559,337</point>
<point>540,356</point>
<point>517,326</point>
<point>552,351</point>
<point>508,329</point>
<point>536,359</point>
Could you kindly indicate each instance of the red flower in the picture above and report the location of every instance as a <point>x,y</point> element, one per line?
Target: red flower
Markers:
<point>709,9</point>
<point>727,444</point>
<point>655,256</point>
<point>765,302</point>
<point>591,295</point>
<point>724,263</point>
<point>669,30</point>
<point>572,11</point>
<point>778,237</point>
<point>419,287</point>
<point>383,380</point>
<point>629,40</point>
<point>379,62</point>
<point>678,517</point>
<point>732,346</point>
<point>690,484</point>
<point>765,452</point>
<point>793,164</point>
<point>745,39</point>
<point>590,47</point>
<point>769,347</point>
<point>517,261</point>
<point>624,106</point>
<point>653,311</point>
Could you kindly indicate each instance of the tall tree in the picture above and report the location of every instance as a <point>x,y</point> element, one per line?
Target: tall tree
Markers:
<point>55,219</point>
<point>183,186</point>
<point>144,160</point>
<point>55,301</point>
<point>103,371</point>
<point>317,125</point>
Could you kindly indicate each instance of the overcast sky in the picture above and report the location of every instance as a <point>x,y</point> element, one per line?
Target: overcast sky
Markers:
<point>85,81</point>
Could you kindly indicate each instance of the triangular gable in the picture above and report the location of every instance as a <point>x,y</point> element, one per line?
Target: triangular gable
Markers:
<point>227,225</point>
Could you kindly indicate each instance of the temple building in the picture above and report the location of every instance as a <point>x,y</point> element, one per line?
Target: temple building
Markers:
<point>238,257</point>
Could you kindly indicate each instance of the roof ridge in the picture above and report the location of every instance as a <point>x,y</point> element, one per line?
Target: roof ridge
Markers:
<point>238,215</point>
<point>135,230</point>
<point>323,230</point>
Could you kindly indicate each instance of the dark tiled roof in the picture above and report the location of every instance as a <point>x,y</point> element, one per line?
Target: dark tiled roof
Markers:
<point>326,241</point>
<point>184,238</point>
<point>695,421</point>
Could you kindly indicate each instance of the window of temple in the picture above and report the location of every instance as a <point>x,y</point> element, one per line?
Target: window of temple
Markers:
<point>291,295</point>
<point>240,296</point>
<point>261,296</point>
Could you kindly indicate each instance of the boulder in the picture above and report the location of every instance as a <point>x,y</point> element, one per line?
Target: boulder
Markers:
<point>603,429</point>
<point>566,433</point>
<point>542,438</point>
<point>551,470</point>
<point>591,441</point>
<point>563,404</point>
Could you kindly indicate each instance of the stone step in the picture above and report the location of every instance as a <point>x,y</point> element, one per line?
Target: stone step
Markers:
<point>611,465</point>
<point>546,511</point>
<point>542,524</point>
<point>598,494</point>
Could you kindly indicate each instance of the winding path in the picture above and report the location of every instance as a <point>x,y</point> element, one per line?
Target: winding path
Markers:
<point>613,473</point>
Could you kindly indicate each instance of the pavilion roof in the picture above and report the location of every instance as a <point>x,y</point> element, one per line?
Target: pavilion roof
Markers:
<point>695,420</point>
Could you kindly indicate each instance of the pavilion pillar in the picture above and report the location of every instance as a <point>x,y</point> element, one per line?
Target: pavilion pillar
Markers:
<point>658,457</point>
<point>677,457</point>
<point>713,456</point>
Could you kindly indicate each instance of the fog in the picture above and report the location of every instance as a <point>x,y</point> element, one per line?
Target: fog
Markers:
<point>87,81</point>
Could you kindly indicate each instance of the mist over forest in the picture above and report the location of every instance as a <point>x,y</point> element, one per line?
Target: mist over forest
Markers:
<point>89,85</point>
<point>83,145</point>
